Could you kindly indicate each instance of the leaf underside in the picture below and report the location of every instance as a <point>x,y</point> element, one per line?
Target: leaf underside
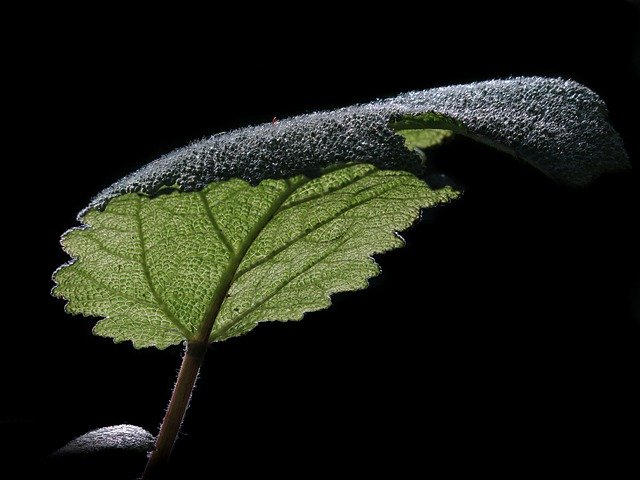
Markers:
<point>159,269</point>
<point>422,138</point>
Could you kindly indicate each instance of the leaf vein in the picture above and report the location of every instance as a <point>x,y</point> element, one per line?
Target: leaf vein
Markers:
<point>147,273</point>
<point>114,291</point>
<point>101,246</point>
<point>214,223</point>
<point>230,273</point>
<point>278,289</point>
<point>307,232</point>
<point>329,191</point>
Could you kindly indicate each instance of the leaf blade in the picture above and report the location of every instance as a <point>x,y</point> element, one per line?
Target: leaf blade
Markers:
<point>211,264</point>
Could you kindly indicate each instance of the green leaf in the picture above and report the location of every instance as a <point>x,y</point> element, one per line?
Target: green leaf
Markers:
<point>166,252</point>
<point>424,138</point>
<point>211,264</point>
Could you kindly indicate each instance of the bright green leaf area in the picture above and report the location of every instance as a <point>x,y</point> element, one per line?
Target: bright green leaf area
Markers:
<point>426,130</point>
<point>424,137</point>
<point>210,265</point>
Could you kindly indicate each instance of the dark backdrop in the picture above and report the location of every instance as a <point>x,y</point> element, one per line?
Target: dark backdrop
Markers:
<point>504,337</point>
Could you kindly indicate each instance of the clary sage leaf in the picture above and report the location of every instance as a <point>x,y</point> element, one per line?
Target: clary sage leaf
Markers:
<point>265,223</point>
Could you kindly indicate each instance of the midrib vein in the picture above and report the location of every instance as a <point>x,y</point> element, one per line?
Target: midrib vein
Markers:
<point>291,242</point>
<point>229,274</point>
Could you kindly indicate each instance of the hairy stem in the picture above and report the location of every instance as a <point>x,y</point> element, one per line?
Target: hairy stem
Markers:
<point>193,357</point>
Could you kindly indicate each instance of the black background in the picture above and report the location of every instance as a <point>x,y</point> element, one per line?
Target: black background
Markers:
<point>505,337</point>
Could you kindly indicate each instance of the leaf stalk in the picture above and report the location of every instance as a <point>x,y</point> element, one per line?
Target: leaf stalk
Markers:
<point>191,361</point>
